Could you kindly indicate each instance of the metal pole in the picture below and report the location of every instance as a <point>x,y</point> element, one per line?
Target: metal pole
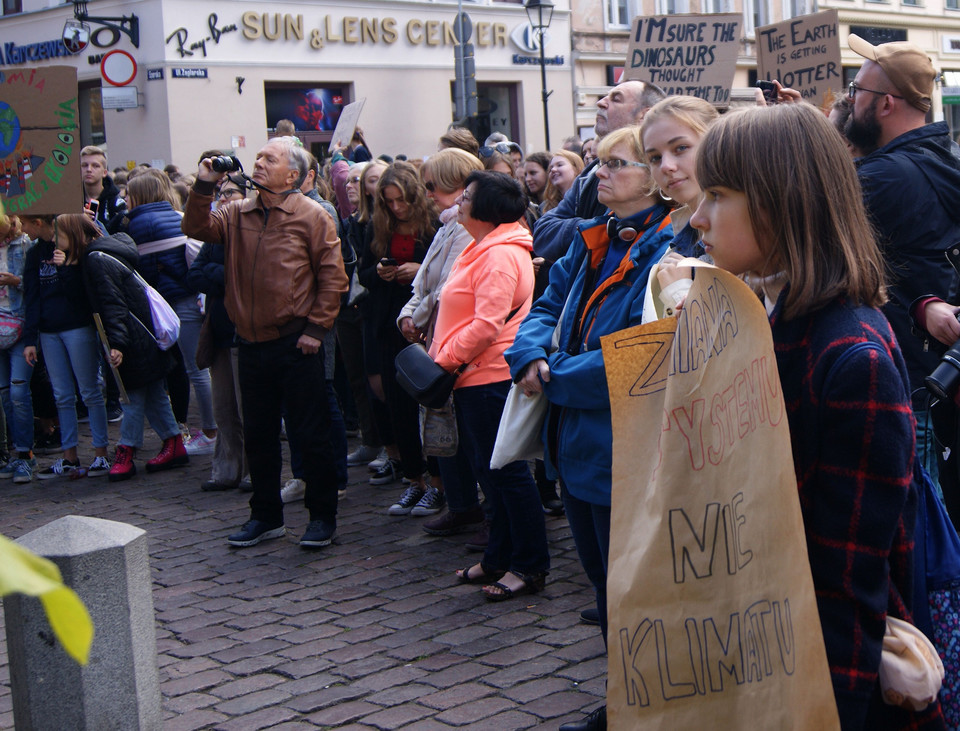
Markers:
<point>543,79</point>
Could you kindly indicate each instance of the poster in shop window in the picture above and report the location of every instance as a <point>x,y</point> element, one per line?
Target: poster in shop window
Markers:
<point>711,607</point>
<point>686,55</point>
<point>39,141</point>
<point>803,54</point>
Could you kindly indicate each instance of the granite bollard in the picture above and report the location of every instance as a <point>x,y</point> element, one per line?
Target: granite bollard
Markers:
<point>106,563</point>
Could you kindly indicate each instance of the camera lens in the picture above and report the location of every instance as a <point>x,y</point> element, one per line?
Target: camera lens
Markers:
<point>945,379</point>
<point>225,164</point>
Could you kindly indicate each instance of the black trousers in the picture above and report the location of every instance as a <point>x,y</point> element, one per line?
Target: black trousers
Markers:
<point>274,375</point>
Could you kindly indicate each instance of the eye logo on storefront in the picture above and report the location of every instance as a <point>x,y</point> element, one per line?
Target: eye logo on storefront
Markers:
<point>526,39</point>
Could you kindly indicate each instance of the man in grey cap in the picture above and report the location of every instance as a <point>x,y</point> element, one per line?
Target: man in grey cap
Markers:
<point>910,177</point>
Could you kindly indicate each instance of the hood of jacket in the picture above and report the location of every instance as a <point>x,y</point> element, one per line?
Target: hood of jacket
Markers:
<point>506,234</point>
<point>118,245</point>
<point>937,158</point>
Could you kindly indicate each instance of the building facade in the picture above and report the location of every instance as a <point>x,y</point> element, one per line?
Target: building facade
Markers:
<point>219,73</point>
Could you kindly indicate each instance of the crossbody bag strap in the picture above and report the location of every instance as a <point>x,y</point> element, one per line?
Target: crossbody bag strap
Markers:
<point>142,282</point>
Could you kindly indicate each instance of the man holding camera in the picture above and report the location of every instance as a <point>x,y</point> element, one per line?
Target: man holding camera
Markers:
<point>284,278</point>
<point>911,188</point>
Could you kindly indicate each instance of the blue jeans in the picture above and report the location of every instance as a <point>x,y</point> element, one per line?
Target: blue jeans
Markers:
<point>150,401</point>
<point>191,319</point>
<point>76,353</point>
<point>518,534</point>
<point>590,526</point>
<point>459,482</point>
<point>338,438</point>
<point>15,376</point>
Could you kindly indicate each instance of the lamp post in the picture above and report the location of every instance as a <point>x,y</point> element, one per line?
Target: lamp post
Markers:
<point>540,13</point>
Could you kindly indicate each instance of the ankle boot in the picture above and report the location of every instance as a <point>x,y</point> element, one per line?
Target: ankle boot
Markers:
<point>172,454</point>
<point>123,466</point>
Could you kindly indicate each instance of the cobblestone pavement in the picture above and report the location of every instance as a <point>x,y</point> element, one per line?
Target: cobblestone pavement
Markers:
<point>373,632</point>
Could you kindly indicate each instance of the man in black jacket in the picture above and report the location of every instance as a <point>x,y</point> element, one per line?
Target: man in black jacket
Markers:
<point>911,188</point>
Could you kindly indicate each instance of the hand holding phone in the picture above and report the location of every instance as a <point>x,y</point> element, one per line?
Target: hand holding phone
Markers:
<point>388,261</point>
<point>771,95</point>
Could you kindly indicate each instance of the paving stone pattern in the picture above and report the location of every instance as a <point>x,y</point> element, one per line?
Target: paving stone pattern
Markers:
<point>373,632</point>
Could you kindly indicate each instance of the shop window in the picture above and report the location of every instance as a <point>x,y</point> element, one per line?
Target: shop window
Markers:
<point>11,7</point>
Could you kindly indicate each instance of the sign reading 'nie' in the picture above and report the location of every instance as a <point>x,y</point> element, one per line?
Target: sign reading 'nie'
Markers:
<point>689,55</point>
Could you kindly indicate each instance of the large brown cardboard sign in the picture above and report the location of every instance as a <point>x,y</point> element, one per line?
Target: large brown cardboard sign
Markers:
<point>347,124</point>
<point>689,55</point>
<point>39,141</point>
<point>803,54</point>
<point>712,616</point>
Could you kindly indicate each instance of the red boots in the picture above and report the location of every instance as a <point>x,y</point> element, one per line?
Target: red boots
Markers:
<point>172,454</point>
<point>123,466</point>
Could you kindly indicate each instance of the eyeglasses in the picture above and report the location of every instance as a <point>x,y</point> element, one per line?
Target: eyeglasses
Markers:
<point>853,88</point>
<point>614,164</point>
<point>229,193</point>
<point>465,196</point>
<point>501,147</point>
<point>355,179</point>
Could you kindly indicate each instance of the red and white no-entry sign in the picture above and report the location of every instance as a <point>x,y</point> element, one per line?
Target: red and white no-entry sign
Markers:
<point>118,68</point>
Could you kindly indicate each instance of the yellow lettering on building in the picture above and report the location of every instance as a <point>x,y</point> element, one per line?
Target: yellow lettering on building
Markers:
<point>449,38</point>
<point>414,27</point>
<point>388,29</point>
<point>500,34</point>
<point>350,34</point>
<point>251,26</point>
<point>433,32</point>
<point>483,34</point>
<point>368,30</point>
<point>330,35</point>
<point>293,29</point>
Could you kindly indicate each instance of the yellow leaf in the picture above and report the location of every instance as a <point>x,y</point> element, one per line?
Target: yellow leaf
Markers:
<point>23,572</point>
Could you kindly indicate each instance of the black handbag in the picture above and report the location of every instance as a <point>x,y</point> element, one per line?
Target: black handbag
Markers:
<point>422,378</point>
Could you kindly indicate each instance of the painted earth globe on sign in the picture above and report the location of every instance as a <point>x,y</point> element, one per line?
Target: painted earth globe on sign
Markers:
<point>9,129</point>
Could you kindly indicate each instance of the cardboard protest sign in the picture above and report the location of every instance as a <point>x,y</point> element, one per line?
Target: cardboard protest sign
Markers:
<point>803,54</point>
<point>349,116</point>
<point>39,141</point>
<point>690,55</point>
<point>711,607</point>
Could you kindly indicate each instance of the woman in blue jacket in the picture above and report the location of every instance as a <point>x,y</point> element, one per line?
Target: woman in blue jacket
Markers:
<point>154,224</point>
<point>597,288</point>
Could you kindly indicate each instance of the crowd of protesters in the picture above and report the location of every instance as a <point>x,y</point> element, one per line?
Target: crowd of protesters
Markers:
<point>296,289</point>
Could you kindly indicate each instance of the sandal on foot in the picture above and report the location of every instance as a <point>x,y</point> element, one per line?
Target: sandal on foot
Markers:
<point>483,577</point>
<point>532,584</point>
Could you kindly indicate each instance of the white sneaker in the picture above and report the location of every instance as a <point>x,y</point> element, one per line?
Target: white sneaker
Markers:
<point>377,464</point>
<point>293,490</point>
<point>200,444</point>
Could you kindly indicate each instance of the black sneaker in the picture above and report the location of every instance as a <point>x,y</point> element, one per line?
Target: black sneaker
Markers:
<point>60,468</point>
<point>254,531</point>
<point>390,472</point>
<point>590,616</point>
<point>431,503</point>
<point>114,412</point>
<point>450,523</point>
<point>319,533</point>
<point>410,497</point>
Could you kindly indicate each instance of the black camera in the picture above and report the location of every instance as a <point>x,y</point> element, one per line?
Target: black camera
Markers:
<point>225,164</point>
<point>945,379</point>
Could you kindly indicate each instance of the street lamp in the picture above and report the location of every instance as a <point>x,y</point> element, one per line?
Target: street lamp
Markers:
<point>540,13</point>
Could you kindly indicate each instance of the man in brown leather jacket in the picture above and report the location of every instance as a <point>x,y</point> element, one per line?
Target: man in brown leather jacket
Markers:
<point>284,278</point>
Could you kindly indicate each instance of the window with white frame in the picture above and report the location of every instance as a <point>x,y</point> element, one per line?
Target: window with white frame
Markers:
<point>672,7</point>
<point>718,6</point>
<point>755,14</point>
<point>796,8</point>
<point>617,13</point>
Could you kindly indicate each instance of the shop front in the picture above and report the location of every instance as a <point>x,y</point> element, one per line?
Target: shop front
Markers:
<point>220,74</point>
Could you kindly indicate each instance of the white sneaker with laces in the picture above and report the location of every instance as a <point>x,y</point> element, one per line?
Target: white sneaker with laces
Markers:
<point>293,490</point>
<point>99,467</point>
<point>377,464</point>
<point>200,444</point>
